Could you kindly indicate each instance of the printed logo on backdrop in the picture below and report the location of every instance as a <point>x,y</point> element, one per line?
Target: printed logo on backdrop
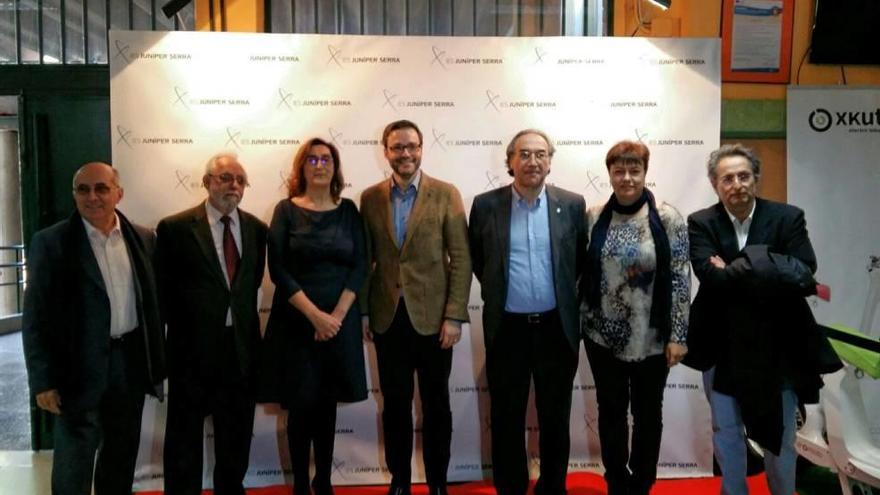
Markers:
<point>185,181</point>
<point>677,465</point>
<point>128,138</point>
<point>469,467</point>
<point>337,468</point>
<point>591,424</point>
<point>468,142</point>
<point>338,58</point>
<point>594,183</point>
<point>583,465</point>
<point>374,469</point>
<point>148,477</point>
<point>539,55</point>
<point>469,389</point>
<point>395,102</point>
<point>641,136</point>
<point>495,102</point>
<point>273,58</point>
<point>286,99</point>
<point>493,181</point>
<point>335,137</point>
<point>237,139</point>
<point>666,141</point>
<point>181,97</point>
<point>821,120</point>
<point>438,139</point>
<point>652,59</point>
<point>123,53</point>
<point>180,94</point>
<point>682,386</point>
<point>633,104</point>
<point>285,178</point>
<point>585,60</point>
<point>440,57</point>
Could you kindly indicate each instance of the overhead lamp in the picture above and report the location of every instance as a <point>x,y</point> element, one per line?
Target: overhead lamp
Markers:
<point>173,7</point>
<point>663,4</point>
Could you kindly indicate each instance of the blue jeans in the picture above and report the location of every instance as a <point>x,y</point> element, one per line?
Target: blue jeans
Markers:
<point>730,447</point>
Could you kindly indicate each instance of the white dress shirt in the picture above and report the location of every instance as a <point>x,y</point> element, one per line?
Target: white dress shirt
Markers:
<point>742,228</point>
<point>115,265</point>
<point>214,216</point>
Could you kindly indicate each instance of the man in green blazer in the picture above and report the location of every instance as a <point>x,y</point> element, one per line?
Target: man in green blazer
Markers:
<point>415,301</point>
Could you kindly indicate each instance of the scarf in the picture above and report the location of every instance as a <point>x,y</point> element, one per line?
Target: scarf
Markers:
<point>661,298</point>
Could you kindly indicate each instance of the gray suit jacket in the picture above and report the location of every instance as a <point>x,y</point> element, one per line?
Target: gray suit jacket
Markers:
<point>489,233</point>
<point>66,317</point>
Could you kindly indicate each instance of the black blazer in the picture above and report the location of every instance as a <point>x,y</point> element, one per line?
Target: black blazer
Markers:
<point>66,316</point>
<point>195,296</point>
<point>756,333</point>
<point>489,236</point>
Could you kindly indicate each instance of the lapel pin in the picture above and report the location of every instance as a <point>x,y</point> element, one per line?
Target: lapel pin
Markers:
<point>558,210</point>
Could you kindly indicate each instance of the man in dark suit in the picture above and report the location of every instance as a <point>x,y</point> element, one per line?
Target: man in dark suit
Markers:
<point>210,261</point>
<point>92,336</point>
<point>528,242</point>
<point>751,330</point>
<point>416,301</point>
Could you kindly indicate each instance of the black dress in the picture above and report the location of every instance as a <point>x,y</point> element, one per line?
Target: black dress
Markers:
<point>321,253</point>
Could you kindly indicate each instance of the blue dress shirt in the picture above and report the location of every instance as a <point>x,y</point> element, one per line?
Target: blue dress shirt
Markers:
<point>530,287</point>
<point>401,205</point>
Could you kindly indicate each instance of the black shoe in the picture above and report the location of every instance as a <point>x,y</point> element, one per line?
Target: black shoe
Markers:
<point>437,490</point>
<point>322,488</point>
<point>399,490</point>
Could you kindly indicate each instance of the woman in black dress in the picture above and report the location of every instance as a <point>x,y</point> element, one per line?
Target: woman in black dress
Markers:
<point>313,339</point>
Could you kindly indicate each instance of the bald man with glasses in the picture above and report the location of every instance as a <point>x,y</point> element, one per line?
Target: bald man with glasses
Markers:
<point>92,336</point>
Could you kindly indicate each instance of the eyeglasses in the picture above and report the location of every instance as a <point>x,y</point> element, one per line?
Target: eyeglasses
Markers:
<point>398,149</point>
<point>227,178</point>
<point>100,189</point>
<point>526,155</point>
<point>741,177</point>
<point>324,160</point>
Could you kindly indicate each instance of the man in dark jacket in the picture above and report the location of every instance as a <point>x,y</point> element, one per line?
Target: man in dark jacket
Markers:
<point>92,336</point>
<point>210,260</point>
<point>751,330</point>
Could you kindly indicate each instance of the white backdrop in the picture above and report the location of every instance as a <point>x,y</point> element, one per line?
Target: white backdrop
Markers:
<point>833,174</point>
<point>178,98</point>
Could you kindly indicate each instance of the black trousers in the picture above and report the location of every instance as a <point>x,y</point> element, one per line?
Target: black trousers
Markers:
<point>112,430</point>
<point>620,384</point>
<point>311,422</point>
<point>228,398</point>
<point>526,348</point>
<point>400,352</point>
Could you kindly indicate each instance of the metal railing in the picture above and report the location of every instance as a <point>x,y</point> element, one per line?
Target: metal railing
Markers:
<point>11,320</point>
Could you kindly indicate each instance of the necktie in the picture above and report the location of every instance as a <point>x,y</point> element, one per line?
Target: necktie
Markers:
<point>230,250</point>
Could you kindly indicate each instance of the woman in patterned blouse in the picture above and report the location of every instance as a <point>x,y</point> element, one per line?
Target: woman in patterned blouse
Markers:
<point>635,313</point>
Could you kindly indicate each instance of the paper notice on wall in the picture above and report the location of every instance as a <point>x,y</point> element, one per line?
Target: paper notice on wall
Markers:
<point>757,36</point>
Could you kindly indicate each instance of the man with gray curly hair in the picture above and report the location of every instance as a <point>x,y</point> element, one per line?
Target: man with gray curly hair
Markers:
<point>751,330</point>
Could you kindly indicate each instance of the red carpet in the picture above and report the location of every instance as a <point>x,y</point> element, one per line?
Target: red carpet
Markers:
<point>578,484</point>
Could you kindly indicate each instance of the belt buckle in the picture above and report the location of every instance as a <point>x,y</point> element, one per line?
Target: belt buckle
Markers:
<point>533,318</point>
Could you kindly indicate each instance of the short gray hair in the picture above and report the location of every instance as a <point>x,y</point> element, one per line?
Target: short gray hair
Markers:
<point>209,166</point>
<point>116,180</point>
<point>728,150</point>
<point>511,147</point>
